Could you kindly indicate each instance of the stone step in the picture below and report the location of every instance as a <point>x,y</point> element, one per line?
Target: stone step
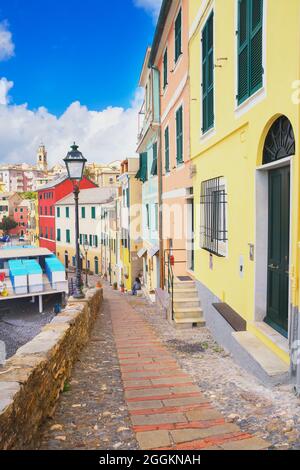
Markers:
<point>185,293</point>
<point>192,302</point>
<point>188,322</point>
<point>184,284</point>
<point>270,364</point>
<point>195,314</point>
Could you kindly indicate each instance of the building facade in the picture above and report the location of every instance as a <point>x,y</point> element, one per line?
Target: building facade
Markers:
<point>131,265</point>
<point>90,213</point>
<point>48,196</point>
<point>246,174</point>
<point>148,142</point>
<point>8,203</point>
<point>170,55</point>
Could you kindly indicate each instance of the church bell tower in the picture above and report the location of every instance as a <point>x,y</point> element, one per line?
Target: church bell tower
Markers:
<point>42,164</point>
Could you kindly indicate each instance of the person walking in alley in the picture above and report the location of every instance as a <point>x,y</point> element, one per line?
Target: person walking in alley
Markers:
<point>136,286</point>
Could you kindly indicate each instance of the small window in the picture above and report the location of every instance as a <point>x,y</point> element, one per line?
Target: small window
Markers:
<point>91,240</point>
<point>148,215</point>
<point>67,212</point>
<point>213,216</point>
<point>179,136</point>
<point>58,212</point>
<point>68,236</point>
<point>178,29</point>
<point>93,212</point>
<point>165,69</point>
<point>83,212</point>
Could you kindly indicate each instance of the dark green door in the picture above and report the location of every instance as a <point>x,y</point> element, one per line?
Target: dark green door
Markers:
<point>278,257</point>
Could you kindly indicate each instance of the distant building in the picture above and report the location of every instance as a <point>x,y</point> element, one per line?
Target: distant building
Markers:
<point>91,203</point>
<point>23,177</point>
<point>48,195</point>
<point>104,175</point>
<point>8,204</point>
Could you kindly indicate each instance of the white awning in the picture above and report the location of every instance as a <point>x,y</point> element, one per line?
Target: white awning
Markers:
<point>142,252</point>
<point>153,251</point>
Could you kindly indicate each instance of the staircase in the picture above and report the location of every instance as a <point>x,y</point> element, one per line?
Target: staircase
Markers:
<point>186,305</point>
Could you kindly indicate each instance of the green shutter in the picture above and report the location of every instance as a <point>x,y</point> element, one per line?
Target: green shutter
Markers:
<point>67,212</point>
<point>166,68</point>
<point>83,212</point>
<point>167,150</point>
<point>68,239</point>
<point>93,211</point>
<point>96,241</point>
<point>256,70</point>
<point>178,28</point>
<point>144,167</point>
<point>91,240</point>
<point>208,75</point>
<point>80,239</point>
<point>127,197</point>
<point>250,44</point>
<point>154,163</point>
<point>58,235</point>
<point>243,50</point>
<point>58,212</point>
<point>179,135</point>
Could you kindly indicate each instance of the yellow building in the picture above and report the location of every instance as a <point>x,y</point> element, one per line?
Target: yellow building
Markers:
<point>131,265</point>
<point>109,240</point>
<point>244,73</point>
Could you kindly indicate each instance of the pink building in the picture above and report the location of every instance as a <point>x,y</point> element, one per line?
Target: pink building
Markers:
<point>170,56</point>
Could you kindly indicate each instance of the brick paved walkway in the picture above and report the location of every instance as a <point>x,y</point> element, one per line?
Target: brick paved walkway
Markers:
<point>167,409</point>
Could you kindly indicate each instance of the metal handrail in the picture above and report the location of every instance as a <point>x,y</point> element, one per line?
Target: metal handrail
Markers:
<point>171,284</point>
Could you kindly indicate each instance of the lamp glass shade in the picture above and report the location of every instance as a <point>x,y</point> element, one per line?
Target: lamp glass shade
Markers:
<point>75,163</point>
<point>86,245</point>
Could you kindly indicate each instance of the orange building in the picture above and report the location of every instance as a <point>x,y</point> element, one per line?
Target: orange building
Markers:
<point>170,55</point>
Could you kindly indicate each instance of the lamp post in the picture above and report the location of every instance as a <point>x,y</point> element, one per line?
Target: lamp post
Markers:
<point>86,247</point>
<point>75,163</point>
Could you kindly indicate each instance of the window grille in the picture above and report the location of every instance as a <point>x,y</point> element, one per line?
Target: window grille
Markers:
<point>213,201</point>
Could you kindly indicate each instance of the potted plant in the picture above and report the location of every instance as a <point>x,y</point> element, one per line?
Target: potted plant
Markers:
<point>122,286</point>
<point>115,286</point>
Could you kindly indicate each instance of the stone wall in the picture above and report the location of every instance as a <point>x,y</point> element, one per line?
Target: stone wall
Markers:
<point>32,380</point>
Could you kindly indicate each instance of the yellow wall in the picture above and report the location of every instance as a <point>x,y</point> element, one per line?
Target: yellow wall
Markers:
<point>92,253</point>
<point>234,149</point>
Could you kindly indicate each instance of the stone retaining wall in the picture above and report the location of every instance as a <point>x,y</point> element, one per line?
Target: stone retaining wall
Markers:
<point>32,380</point>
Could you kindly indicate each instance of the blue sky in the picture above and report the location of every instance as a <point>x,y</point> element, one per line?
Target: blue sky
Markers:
<point>65,51</point>
<point>69,70</point>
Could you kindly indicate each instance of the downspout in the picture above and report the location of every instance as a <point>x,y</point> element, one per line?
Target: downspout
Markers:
<point>160,190</point>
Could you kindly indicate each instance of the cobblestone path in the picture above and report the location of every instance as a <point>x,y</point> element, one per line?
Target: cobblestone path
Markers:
<point>167,409</point>
<point>128,392</point>
<point>92,414</point>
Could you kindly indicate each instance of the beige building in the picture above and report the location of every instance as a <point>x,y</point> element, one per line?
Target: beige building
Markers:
<point>91,203</point>
<point>104,175</point>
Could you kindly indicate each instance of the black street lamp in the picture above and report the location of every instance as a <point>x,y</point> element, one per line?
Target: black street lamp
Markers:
<point>75,163</point>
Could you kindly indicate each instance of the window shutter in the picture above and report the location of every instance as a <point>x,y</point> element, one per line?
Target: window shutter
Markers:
<point>166,68</point>
<point>179,135</point>
<point>208,75</point>
<point>256,72</point>
<point>243,51</point>
<point>178,36</point>
<point>154,163</point>
<point>167,150</point>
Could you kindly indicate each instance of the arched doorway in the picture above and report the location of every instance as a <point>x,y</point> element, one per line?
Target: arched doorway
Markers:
<point>279,146</point>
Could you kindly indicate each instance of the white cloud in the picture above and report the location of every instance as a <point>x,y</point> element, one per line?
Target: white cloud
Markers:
<point>151,6</point>
<point>103,136</point>
<point>5,86</point>
<point>7,47</point>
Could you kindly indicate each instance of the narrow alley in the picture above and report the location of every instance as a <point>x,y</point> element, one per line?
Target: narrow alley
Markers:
<point>141,384</point>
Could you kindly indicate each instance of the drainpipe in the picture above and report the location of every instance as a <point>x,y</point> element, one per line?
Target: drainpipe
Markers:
<point>160,190</point>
